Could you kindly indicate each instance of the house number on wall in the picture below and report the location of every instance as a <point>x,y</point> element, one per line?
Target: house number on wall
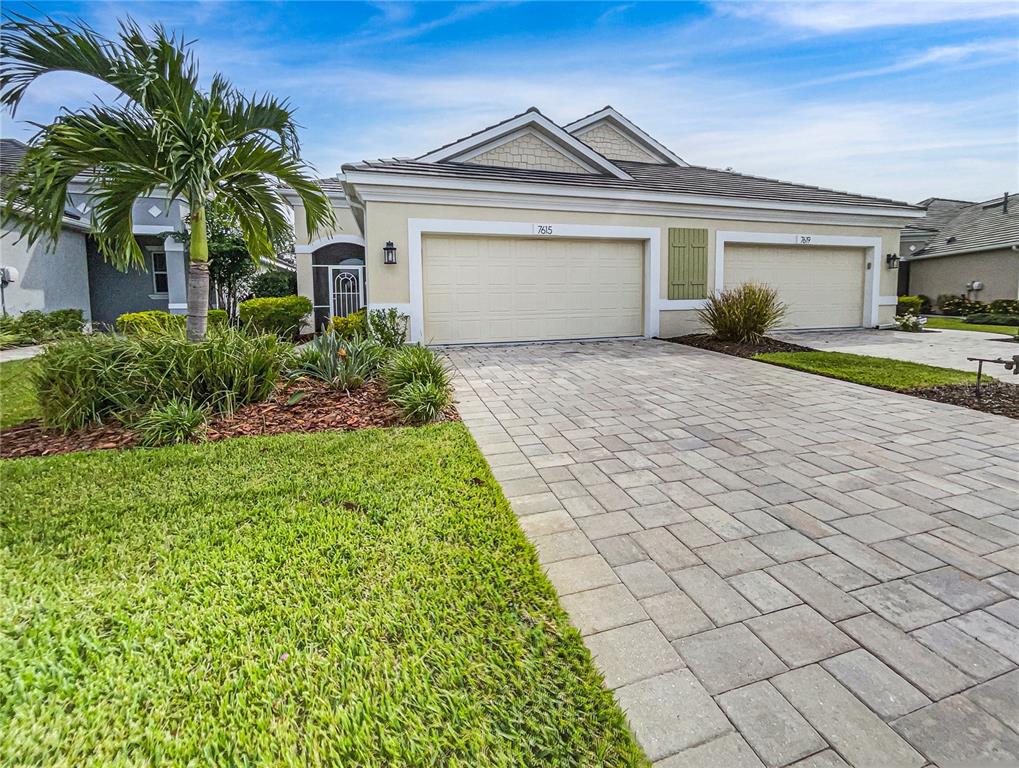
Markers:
<point>803,239</point>
<point>542,229</point>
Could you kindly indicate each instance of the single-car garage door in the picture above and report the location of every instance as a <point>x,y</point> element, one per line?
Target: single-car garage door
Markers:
<point>490,289</point>
<point>823,287</point>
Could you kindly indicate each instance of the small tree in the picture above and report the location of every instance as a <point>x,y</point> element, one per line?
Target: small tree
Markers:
<point>164,132</point>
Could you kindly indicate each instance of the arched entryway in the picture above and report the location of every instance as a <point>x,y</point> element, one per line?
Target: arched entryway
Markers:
<point>338,280</point>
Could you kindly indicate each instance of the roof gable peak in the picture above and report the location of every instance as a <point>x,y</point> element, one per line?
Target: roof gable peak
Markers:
<point>533,123</point>
<point>610,116</point>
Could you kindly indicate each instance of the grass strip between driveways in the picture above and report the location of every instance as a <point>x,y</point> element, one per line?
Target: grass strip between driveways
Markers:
<point>350,599</point>
<point>956,324</point>
<point>17,396</point>
<point>871,371</point>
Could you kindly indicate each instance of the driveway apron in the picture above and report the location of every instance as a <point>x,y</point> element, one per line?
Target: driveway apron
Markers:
<point>768,567</point>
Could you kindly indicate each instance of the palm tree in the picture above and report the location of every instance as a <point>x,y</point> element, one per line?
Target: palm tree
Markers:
<point>162,131</point>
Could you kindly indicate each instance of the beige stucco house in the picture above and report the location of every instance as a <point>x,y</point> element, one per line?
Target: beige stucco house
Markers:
<point>529,230</point>
<point>960,248</point>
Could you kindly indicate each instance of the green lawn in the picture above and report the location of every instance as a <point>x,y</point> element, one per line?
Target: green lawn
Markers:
<point>17,398</point>
<point>957,324</point>
<point>872,371</point>
<point>350,599</point>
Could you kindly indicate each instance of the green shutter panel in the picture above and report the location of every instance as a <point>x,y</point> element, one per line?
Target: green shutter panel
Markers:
<point>688,263</point>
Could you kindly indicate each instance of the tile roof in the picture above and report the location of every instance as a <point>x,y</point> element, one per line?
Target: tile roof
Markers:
<point>975,227</point>
<point>11,152</point>
<point>649,177</point>
<point>940,211</point>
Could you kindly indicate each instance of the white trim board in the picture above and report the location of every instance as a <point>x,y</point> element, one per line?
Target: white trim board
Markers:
<point>872,258</point>
<point>418,228</point>
<point>324,241</point>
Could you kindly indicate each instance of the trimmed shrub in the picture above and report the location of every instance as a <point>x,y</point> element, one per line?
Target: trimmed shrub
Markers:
<point>422,401</point>
<point>388,327</point>
<point>281,316</point>
<point>944,298</point>
<point>173,423</point>
<point>743,314</point>
<point>909,305</point>
<point>156,322</point>
<point>910,322</point>
<point>35,327</point>
<point>987,318</point>
<point>1004,307</point>
<point>343,363</point>
<point>354,324</point>
<point>88,379</point>
<point>960,305</point>
<point>925,304</point>
<point>274,283</point>
<point>415,363</point>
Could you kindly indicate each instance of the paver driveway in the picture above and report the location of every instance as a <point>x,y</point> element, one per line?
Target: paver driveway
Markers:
<point>768,567</point>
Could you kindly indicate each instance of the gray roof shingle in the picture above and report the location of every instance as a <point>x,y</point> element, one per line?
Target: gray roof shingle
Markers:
<point>976,227</point>
<point>650,177</point>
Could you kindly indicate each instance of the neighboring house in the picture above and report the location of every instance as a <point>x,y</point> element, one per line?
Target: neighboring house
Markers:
<point>528,230</point>
<point>960,245</point>
<point>74,274</point>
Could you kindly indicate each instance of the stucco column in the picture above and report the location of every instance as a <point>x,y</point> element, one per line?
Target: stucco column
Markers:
<point>176,276</point>
<point>305,282</point>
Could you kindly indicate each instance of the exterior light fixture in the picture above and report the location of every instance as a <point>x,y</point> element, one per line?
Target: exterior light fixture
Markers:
<point>389,253</point>
<point>892,260</point>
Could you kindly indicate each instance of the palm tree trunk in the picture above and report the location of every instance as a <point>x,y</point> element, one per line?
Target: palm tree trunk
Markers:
<point>198,276</point>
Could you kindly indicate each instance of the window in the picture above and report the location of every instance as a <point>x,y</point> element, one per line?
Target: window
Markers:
<point>160,280</point>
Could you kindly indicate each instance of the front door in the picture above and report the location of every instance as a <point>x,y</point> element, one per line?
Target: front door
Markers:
<point>347,294</point>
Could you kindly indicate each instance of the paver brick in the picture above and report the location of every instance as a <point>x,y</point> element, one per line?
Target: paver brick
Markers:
<point>845,722</point>
<point>922,667</point>
<point>974,658</point>
<point>633,652</point>
<point>875,684</point>
<point>972,564</point>
<point>770,724</point>
<point>644,578</point>
<point>867,528</point>
<point>827,759</point>
<point>597,610</point>
<point>665,549</point>
<point>784,546</point>
<point>608,524</point>
<point>620,550</point>
<point>676,614</point>
<point>763,591</point>
<point>1000,698</point>
<point>694,534</point>
<point>842,574</point>
<point>800,635</point>
<point>817,591</point>
<point>580,574</point>
<point>990,631</point>
<point>662,513</point>
<point>957,589</point>
<point>727,658</point>
<point>957,732</point>
<point>907,555</point>
<point>671,712</point>
<point>732,557</point>
<point>718,600</point>
<point>865,558</point>
<point>728,751</point>
<point>903,605</point>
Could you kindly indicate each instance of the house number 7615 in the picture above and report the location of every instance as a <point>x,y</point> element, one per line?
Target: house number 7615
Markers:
<point>543,229</point>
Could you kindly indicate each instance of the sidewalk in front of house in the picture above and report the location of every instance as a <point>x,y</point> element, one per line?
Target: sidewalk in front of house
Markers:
<point>944,348</point>
<point>20,353</point>
<point>768,567</point>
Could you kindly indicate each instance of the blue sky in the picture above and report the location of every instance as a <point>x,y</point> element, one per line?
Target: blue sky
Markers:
<point>901,99</point>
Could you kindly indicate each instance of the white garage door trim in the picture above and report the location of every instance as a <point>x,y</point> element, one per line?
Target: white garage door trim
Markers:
<point>418,228</point>
<point>872,246</point>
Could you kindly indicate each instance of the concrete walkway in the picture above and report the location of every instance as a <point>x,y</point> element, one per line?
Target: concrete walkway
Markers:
<point>948,349</point>
<point>768,567</point>
<point>20,353</point>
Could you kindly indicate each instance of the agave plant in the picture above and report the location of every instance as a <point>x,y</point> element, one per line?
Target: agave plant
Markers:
<point>164,132</point>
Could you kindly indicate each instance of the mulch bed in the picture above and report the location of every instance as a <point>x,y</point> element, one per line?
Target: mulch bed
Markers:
<point>1001,398</point>
<point>704,341</point>
<point>319,409</point>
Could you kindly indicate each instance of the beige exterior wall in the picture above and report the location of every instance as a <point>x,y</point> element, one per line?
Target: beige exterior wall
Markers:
<point>528,151</point>
<point>345,225</point>
<point>997,270</point>
<point>612,144</point>
<point>391,284</point>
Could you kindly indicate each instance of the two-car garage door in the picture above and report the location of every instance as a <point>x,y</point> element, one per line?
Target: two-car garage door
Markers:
<point>821,286</point>
<point>491,289</point>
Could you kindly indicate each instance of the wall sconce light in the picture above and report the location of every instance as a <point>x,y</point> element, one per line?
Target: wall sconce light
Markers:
<point>892,260</point>
<point>389,253</point>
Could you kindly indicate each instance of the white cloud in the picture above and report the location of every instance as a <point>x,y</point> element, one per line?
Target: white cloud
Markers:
<point>833,16</point>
